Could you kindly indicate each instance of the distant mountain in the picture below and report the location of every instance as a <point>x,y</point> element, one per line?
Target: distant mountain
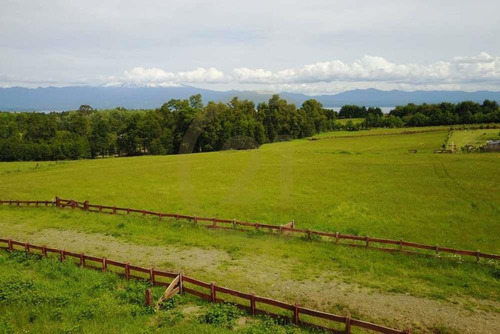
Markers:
<point>140,97</point>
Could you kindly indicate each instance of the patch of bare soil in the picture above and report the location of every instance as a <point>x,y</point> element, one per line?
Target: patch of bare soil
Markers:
<point>272,278</point>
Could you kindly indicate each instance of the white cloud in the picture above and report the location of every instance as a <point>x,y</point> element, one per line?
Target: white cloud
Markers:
<point>482,69</point>
<point>483,57</point>
<point>244,74</point>
<point>157,75</point>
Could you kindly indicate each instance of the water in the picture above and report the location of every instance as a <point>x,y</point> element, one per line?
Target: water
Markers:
<point>385,110</point>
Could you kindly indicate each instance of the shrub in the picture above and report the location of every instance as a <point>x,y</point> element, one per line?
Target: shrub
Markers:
<point>222,315</point>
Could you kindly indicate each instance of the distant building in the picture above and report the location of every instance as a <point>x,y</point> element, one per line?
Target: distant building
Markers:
<point>492,146</point>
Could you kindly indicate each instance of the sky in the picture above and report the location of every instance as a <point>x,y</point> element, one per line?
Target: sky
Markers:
<point>312,47</point>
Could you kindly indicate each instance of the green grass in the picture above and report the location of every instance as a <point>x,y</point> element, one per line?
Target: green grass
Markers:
<point>45,296</point>
<point>474,137</point>
<point>293,258</point>
<point>380,131</point>
<point>368,185</point>
<point>359,185</point>
<point>343,121</point>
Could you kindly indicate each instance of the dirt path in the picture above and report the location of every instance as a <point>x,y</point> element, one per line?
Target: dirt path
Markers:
<point>253,274</point>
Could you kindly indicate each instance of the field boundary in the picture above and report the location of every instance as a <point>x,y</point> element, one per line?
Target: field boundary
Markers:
<point>151,274</point>
<point>456,127</point>
<point>289,228</point>
<point>408,132</point>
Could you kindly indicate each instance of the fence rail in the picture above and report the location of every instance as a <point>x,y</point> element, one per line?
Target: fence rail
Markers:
<point>218,223</point>
<point>213,295</point>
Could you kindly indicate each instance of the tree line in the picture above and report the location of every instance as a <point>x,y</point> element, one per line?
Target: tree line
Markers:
<point>178,126</point>
<point>189,125</point>
<point>466,112</point>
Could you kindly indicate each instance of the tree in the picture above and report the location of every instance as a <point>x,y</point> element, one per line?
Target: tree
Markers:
<point>352,111</point>
<point>419,119</point>
<point>85,109</point>
<point>489,106</point>
<point>195,102</point>
<point>99,142</point>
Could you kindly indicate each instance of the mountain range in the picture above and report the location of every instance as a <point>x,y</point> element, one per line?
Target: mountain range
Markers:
<point>136,97</point>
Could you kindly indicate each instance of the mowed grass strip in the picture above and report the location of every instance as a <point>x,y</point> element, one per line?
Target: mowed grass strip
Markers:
<point>364,185</point>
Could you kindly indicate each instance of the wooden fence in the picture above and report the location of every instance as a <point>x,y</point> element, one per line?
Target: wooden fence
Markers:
<point>233,224</point>
<point>208,291</point>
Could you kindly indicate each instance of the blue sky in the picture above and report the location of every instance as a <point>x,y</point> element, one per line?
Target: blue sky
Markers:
<point>303,46</point>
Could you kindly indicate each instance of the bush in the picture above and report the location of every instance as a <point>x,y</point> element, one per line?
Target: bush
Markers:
<point>221,315</point>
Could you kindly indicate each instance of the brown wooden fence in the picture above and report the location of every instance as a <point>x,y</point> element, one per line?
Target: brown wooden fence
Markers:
<point>289,228</point>
<point>208,291</point>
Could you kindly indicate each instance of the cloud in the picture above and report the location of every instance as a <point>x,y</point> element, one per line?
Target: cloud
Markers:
<point>378,69</point>
<point>482,58</point>
<point>157,75</point>
<point>325,76</point>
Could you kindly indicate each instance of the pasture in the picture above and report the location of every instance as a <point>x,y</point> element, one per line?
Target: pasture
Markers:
<point>476,137</point>
<point>363,185</point>
<point>45,296</point>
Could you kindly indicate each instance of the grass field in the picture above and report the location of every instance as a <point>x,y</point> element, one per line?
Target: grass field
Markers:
<point>474,137</point>
<point>45,296</point>
<point>381,131</point>
<point>343,121</point>
<point>361,185</point>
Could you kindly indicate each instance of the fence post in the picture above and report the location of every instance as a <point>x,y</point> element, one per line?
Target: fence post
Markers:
<point>281,229</point>
<point>308,234</point>
<point>143,213</point>
<point>27,247</point>
<point>73,204</point>
<point>401,245</point>
<point>149,297</point>
<point>82,260</point>
<point>348,324</point>
<point>212,292</point>
<point>63,255</point>
<point>477,256</point>
<point>100,208</point>
<point>252,304</point>
<point>104,264</point>
<point>10,245</point>
<point>58,202</point>
<point>114,210</point>
<point>44,251</point>
<point>86,206</point>
<point>337,237</point>
<point>296,314</point>
<point>152,275</point>
<point>293,223</point>
<point>36,204</point>
<point>437,250</point>
<point>367,241</point>
<point>181,283</point>
<point>127,271</point>
<point>128,211</point>
<point>215,223</point>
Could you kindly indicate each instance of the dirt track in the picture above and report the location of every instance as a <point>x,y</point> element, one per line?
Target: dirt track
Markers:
<point>248,273</point>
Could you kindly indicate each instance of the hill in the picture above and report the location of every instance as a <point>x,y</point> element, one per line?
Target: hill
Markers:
<point>137,97</point>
